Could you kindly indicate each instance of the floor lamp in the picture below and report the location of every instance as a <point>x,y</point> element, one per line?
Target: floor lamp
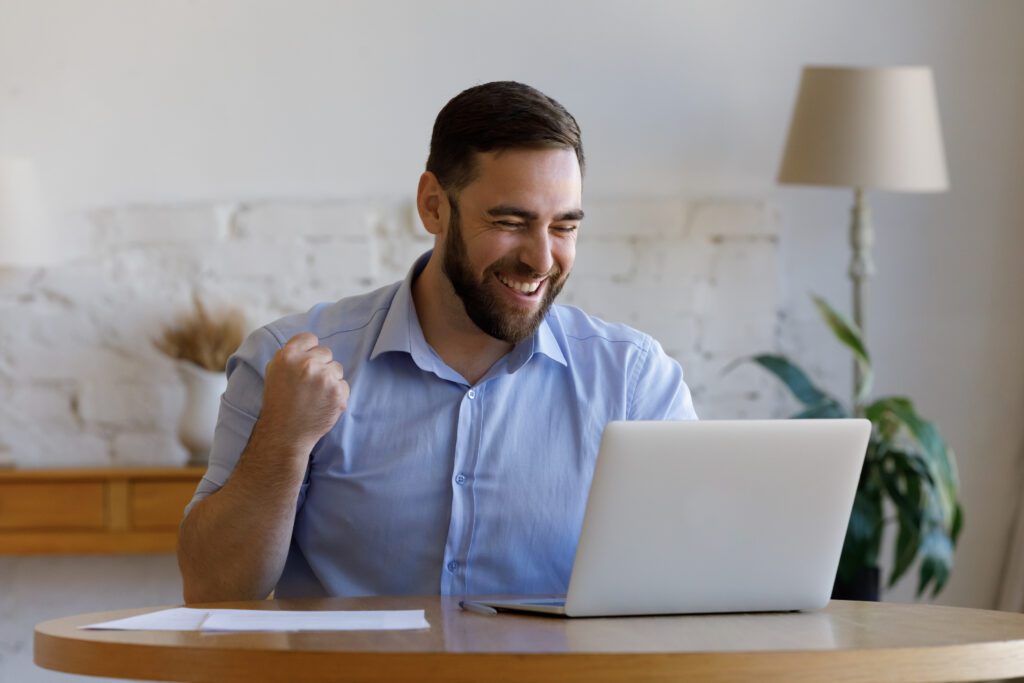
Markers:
<point>865,128</point>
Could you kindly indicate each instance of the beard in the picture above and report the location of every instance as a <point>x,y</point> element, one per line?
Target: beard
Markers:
<point>486,307</point>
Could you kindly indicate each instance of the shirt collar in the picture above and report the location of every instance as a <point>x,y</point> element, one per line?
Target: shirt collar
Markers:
<point>401,331</point>
<point>542,341</point>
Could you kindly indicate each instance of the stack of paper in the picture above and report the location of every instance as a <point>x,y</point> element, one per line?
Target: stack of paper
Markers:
<point>190,619</point>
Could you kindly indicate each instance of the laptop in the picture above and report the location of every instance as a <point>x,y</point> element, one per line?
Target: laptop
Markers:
<point>711,516</point>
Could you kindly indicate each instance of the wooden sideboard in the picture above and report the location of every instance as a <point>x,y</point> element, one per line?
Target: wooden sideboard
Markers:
<point>134,510</point>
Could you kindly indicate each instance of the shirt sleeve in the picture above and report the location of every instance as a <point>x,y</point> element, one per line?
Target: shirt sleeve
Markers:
<point>239,407</point>
<point>659,391</point>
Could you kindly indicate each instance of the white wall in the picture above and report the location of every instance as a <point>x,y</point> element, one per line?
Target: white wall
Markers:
<point>166,102</point>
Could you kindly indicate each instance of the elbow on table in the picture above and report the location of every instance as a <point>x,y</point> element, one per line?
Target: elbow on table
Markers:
<point>197,590</point>
<point>215,571</point>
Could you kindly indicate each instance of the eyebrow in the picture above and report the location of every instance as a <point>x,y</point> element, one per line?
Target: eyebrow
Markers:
<point>526,214</point>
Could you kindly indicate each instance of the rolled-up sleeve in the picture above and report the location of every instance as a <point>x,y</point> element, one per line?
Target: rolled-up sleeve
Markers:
<point>658,390</point>
<point>239,407</point>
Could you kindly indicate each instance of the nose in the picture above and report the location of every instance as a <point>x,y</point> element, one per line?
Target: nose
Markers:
<point>536,253</point>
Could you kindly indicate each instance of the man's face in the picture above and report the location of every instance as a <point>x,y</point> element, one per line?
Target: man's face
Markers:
<point>511,238</point>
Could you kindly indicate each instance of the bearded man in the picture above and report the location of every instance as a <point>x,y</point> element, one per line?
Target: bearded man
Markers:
<point>437,435</point>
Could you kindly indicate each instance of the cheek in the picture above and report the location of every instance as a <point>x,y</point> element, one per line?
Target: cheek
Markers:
<point>565,255</point>
<point>486,252</point>
<point>483,256</point>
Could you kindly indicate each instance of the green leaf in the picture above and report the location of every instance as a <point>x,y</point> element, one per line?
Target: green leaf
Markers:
<point>936,561</point>
<point>893,481</point>
<point>863,535</point>
<point>865,517</point>
<point>903,484</point>
<point>928,436</point>
<point>921,480</point>
<point>918,464</point>
<point>795,379</point>
<point>958,523</point>
<point>850,336</point>
<point>940,460</point>
<point>828,410</point>
<point>908,540</point>
<point>926,575</point>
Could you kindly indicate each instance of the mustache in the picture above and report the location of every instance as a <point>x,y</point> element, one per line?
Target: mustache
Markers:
<point>522,270</point>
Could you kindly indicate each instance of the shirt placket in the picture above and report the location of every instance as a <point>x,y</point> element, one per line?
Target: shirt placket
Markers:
<point>454,574</point>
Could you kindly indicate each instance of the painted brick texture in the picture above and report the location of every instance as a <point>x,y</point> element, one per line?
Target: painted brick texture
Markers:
<point>82,384</point>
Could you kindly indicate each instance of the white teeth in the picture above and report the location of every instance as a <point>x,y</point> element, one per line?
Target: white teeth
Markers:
<point>524,287</point>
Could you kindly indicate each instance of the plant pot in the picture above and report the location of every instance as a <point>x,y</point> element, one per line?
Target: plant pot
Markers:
<point>863,586</point>
<point>203,390</point>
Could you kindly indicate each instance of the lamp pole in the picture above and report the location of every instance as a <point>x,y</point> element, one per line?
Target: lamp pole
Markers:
<point>862,237</point>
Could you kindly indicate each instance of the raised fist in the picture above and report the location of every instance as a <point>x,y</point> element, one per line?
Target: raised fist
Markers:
<point>304,392</point>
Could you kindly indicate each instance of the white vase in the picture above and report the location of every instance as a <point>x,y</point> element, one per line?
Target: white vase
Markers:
<point>203,390</point>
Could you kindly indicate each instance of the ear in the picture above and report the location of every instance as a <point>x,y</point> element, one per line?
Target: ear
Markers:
<point>432,204</point>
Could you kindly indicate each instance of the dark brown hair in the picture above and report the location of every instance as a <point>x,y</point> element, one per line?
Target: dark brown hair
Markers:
<point>495,116</point>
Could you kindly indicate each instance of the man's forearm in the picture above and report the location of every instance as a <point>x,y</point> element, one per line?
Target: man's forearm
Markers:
<point>234,543</point>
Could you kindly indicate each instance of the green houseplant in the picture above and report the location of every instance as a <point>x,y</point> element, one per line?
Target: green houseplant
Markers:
<point>908,469</point>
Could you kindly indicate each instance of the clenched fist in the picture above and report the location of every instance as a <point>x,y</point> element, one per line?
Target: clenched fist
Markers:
<point>304,392</point>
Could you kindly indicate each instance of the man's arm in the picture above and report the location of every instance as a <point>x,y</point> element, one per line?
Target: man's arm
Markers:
<point>233,543</point>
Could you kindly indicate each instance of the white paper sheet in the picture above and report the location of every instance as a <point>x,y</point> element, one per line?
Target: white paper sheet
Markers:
<point>190,619</point>
<point>177,619</point>
<point>280,620</point>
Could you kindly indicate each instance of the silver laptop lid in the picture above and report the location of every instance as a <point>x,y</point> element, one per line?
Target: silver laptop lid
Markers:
<point>716,516</point>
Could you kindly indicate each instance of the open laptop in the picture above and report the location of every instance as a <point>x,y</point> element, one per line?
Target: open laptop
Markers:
<point>712,516</point>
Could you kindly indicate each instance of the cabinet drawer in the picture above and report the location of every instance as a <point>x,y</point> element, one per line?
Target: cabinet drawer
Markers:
<point>159,505</point>
<point>52,505</point>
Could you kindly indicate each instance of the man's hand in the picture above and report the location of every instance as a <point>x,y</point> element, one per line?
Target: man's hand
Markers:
<point>304,392</point>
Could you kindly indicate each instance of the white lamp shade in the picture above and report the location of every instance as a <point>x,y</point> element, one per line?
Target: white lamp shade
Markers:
<point>24,239</point>
<point>872,128</point>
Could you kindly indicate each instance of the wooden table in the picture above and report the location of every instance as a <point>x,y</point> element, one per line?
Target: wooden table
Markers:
<point>847,641</point>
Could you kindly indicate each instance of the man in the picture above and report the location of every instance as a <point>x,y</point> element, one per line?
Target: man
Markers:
<point>439,434</point>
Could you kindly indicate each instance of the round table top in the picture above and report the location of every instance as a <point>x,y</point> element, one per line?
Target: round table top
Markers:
<point>846,641</point>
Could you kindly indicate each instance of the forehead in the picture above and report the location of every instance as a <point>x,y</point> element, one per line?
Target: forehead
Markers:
<point>543,177</point>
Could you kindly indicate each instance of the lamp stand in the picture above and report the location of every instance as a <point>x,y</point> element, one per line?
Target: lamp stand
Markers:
<point>862,237</point>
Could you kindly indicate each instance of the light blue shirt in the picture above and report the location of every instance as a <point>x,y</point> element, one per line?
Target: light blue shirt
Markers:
<point>428,484</point>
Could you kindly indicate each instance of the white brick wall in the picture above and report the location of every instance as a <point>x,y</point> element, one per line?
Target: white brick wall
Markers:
<point>148,225</point>
<point>81,383</point>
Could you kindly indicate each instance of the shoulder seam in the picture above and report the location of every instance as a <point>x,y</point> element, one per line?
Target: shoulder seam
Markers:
<point>611,341</point>
<point>278,337</point>
<point>364,325</point>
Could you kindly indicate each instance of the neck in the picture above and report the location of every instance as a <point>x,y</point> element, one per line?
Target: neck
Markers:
<point>462,345</point>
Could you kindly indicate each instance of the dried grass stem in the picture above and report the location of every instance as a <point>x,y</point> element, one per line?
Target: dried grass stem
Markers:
<point>200,338</point>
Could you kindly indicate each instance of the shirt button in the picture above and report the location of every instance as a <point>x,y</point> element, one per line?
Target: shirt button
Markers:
<point>460,479</point>
<point>453,566</point>
<point>471,393</point>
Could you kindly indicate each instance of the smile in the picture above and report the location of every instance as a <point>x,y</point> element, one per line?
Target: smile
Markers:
<point>527,287</point>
